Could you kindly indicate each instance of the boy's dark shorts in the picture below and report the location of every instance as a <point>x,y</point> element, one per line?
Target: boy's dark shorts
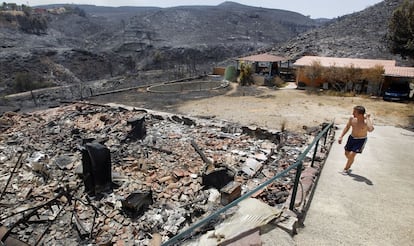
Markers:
<point>355,144</point>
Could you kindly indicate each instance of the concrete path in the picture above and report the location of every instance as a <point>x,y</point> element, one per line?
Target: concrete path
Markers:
<point>374,205</point>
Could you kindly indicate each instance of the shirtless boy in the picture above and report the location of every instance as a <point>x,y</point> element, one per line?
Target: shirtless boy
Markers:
<point>361,124</point>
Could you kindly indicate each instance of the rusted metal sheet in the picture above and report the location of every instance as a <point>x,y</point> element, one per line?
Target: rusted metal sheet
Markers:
<point>97,169</point>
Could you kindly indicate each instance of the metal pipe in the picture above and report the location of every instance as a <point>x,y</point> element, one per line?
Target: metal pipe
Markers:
<point>17,165</point>
<point>295,186</point>
<point>314,152</point>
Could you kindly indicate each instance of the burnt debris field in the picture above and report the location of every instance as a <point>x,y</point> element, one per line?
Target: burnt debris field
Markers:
<point>87,173</point>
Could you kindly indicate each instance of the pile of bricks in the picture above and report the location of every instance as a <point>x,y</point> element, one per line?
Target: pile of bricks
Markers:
<point>101,174</point>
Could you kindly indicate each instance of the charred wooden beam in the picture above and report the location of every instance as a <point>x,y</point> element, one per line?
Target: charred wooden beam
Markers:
<point>202,155</point>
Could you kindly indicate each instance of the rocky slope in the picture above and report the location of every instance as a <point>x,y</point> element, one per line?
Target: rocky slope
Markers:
<point>358,35</point>
<point>104,42</point>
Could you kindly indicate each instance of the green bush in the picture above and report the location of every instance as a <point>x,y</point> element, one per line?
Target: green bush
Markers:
<point>230,74</point>
<point>278,82</point>
<point>246,75</point>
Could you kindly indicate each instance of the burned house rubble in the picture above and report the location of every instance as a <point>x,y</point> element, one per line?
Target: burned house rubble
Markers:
<point>99,174</point>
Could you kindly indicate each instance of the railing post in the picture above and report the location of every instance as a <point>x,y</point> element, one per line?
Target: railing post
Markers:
<point>314,152</point>
<point>328,132</point>
<point>295,186</point>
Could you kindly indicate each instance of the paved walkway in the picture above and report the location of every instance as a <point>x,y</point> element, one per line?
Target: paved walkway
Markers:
<point>374,205</point>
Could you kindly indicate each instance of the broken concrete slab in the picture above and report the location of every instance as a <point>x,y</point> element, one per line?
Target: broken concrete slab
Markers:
<point>250,214</point>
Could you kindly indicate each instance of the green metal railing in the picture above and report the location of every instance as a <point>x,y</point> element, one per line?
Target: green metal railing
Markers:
<point>298,165</point>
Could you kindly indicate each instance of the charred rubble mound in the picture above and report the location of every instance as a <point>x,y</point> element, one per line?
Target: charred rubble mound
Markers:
<point>82,173</point>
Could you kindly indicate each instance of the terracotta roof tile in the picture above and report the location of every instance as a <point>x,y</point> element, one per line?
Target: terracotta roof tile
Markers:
<point>389,65</point>
<point>343,62</point>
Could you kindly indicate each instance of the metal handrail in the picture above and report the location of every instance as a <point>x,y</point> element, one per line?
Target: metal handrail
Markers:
<point>325,132</point>
<point>298,164</point>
